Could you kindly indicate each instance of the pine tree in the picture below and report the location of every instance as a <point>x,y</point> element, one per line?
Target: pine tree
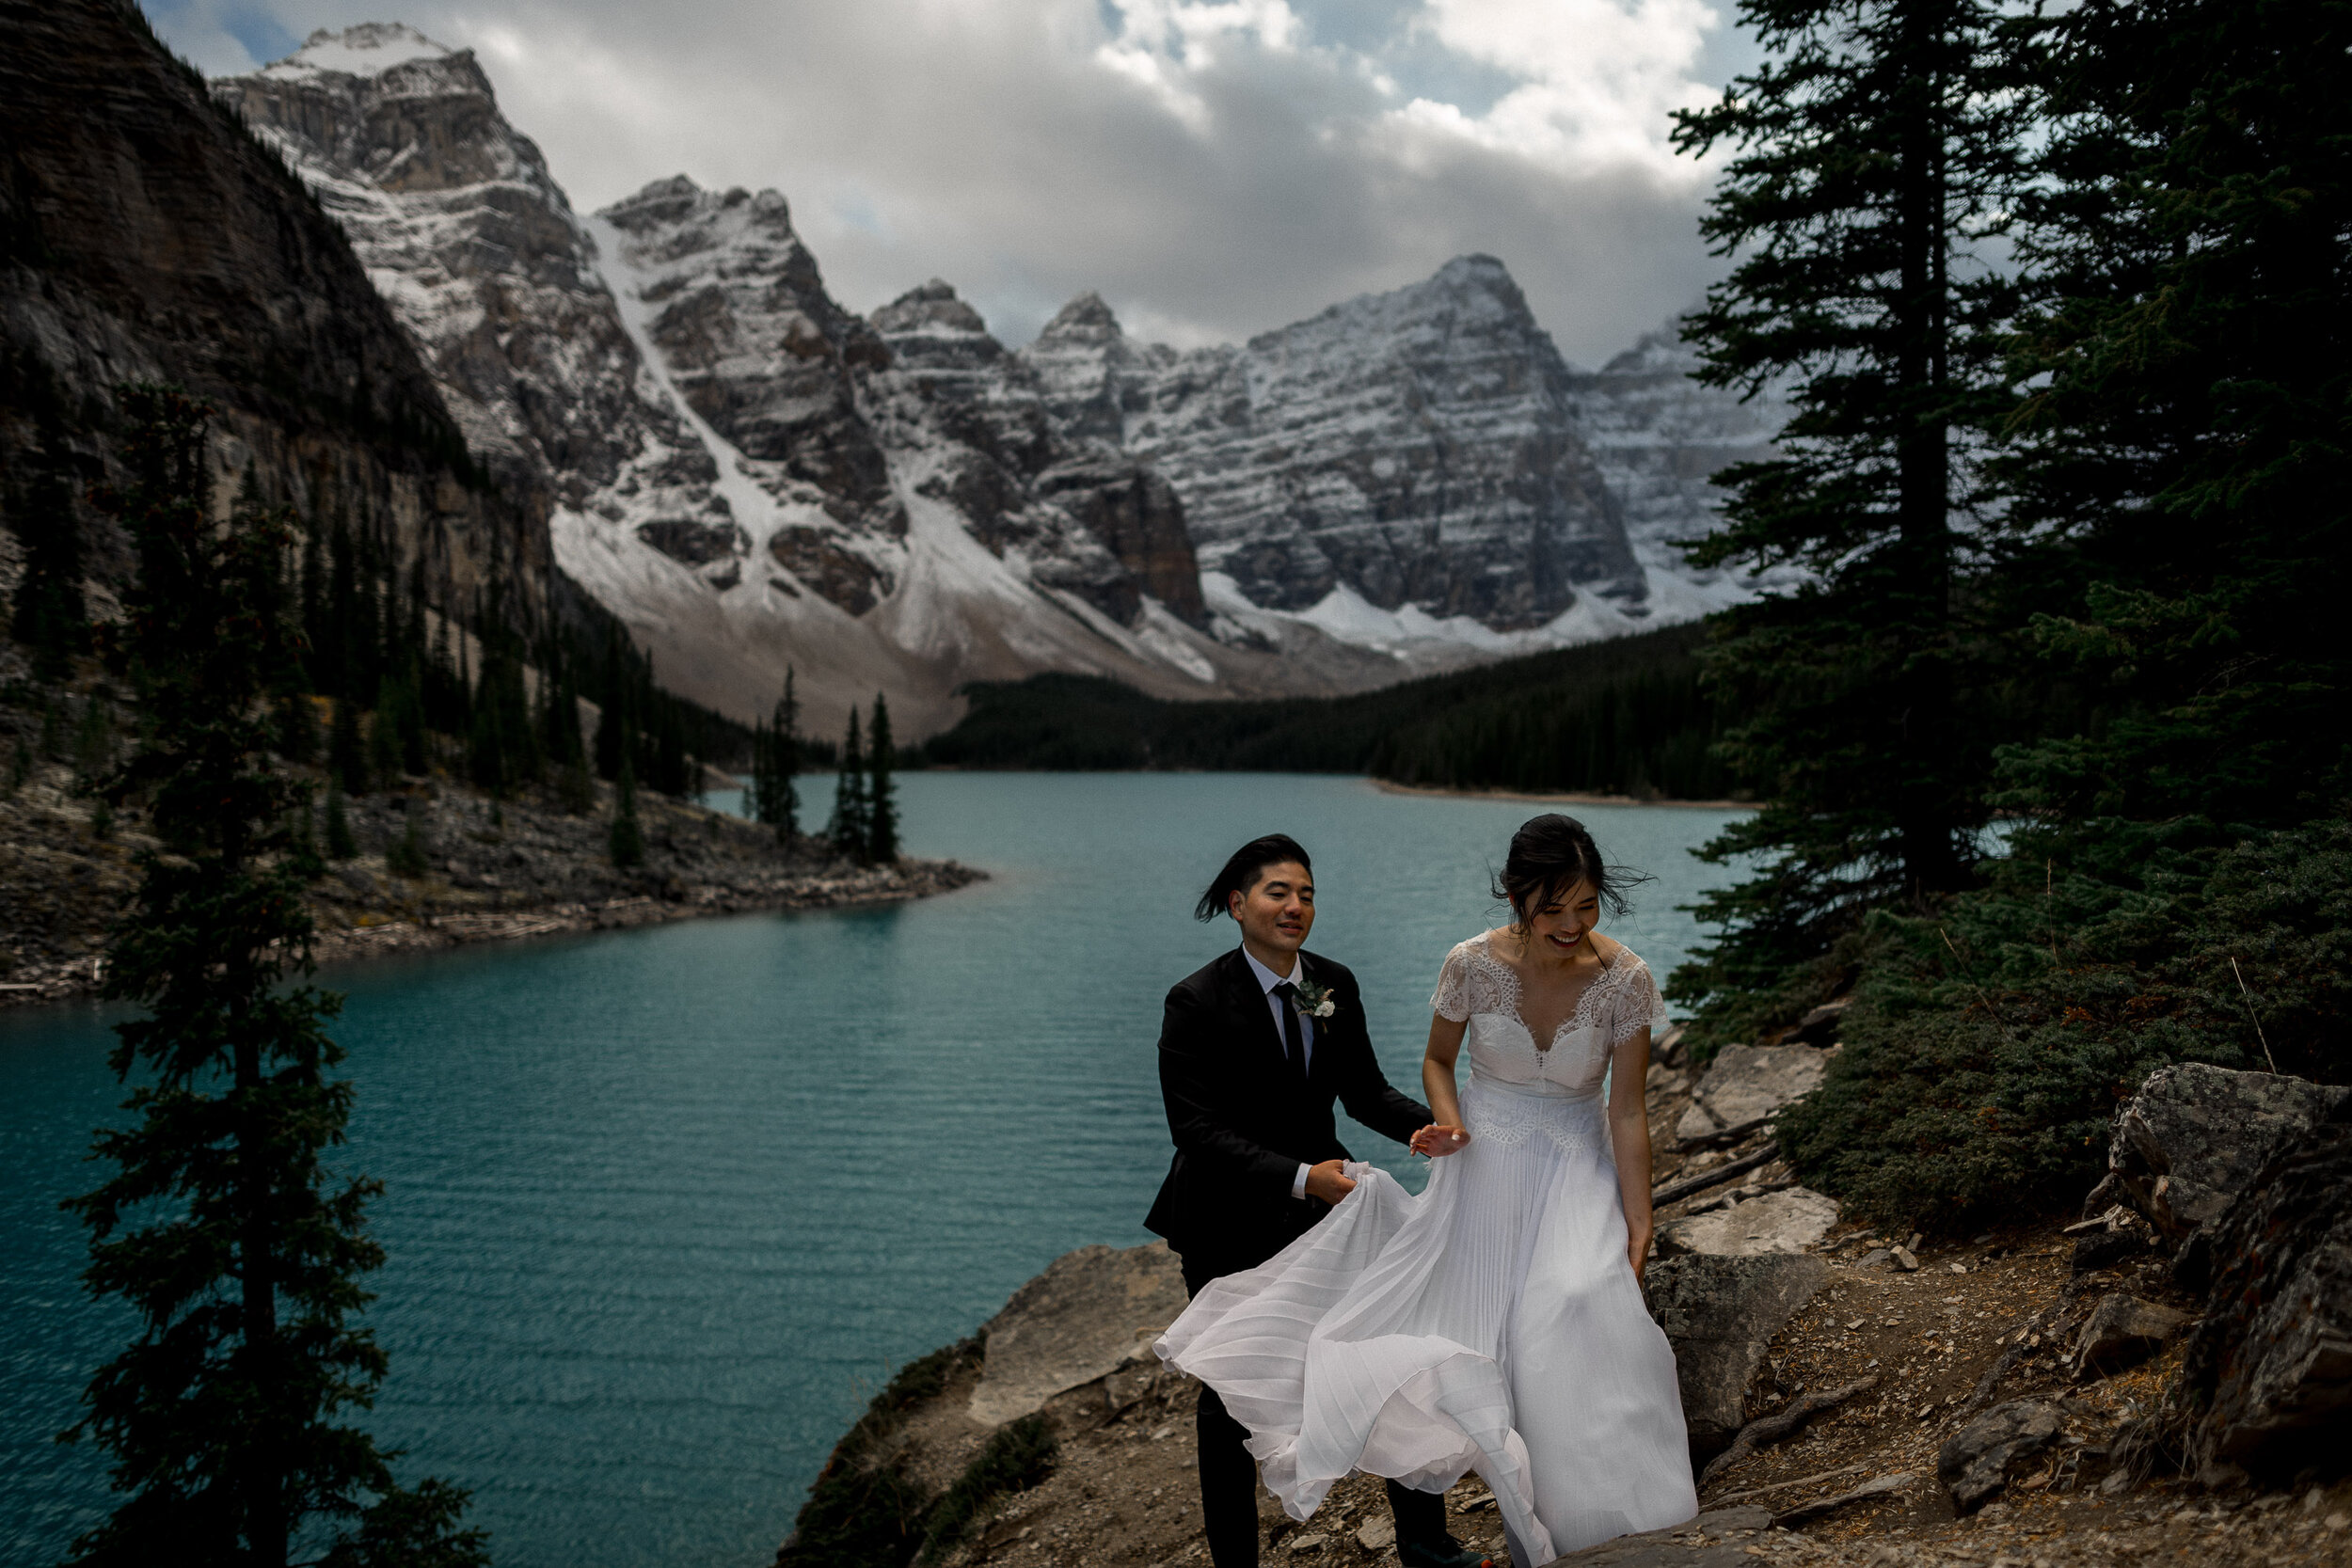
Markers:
<point>384,758</point>
<point>2185,446</point>
<point>405,857</point>
<point>223,1227</point>
<point>849,829</point>
<point>340,845</point>
<point>49,615</point>
<point>775,761</point>
<point>1877,153</point>
<point>882,803</point>
<point>297,728</point>
<point>626,843</point>
<point>346,747</point>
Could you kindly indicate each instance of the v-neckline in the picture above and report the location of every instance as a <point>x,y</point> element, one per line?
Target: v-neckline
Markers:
<point>1519,1001</point>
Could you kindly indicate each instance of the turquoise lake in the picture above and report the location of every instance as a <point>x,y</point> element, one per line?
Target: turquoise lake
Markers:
<point>665,1206</point>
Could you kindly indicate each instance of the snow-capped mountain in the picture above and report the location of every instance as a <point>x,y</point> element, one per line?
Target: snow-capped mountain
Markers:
<point>1406,469</point>
<point>1658,435</point>
<point>675,374</point>
<point>751,476</point>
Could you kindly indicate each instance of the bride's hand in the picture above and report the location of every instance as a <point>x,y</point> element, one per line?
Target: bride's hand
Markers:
<point>1436,1141</point>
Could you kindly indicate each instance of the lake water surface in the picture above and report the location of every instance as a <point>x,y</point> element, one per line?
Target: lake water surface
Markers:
<point>664,1207</point>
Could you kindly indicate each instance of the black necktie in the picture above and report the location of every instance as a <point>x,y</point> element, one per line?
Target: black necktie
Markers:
<point>1293,1040</point>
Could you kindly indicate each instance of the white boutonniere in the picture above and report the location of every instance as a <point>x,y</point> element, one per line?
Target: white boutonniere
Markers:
<point>1313,1001</point>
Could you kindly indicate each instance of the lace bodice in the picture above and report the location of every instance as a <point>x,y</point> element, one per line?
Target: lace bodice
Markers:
<point>1479,986</point>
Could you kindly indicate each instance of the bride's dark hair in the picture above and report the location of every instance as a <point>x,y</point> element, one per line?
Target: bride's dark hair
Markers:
<point>1241,871</point>
<point>1550,854</point>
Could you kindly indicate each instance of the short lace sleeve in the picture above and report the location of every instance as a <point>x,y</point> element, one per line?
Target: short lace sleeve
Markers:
<point>1453,999</point>
<point>1637,1007</point>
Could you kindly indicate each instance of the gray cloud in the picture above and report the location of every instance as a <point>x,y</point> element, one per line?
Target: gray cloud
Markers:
<point>1213,171</point>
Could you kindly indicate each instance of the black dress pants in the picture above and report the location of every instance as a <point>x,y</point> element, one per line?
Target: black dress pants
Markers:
<point>1228,1477</point>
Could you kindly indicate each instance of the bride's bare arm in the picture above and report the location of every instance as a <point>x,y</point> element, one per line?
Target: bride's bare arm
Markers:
<point>1446,1134</point>
<point>1629,1138</point>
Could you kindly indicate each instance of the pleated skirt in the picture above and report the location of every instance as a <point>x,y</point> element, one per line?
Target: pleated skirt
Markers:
<point>1492,1324</point>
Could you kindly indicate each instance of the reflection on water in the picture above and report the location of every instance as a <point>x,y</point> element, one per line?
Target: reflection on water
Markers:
<point>665,1206</point>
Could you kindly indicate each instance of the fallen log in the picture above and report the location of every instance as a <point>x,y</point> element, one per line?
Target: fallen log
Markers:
<point>1877,1486</point>
<point>1683,1187</point>
<point>1741,1496</point>
<point>1792,1420</point>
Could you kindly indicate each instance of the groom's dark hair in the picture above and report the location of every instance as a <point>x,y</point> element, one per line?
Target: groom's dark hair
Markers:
<point>1241,871</point>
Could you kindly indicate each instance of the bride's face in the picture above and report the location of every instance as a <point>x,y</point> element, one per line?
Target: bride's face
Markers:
<point>1562,925</point>
<point>1279,910</point>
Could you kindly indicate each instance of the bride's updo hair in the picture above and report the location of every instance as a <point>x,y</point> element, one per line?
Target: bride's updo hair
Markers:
<point>1550,854</point>
<point>1241,871</point>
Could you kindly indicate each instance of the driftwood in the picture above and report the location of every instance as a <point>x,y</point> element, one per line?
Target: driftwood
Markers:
<point>1767,1430</point>
<point>1683,1187</point>
<point>1877,1486</point>
<point>1742,1496</point>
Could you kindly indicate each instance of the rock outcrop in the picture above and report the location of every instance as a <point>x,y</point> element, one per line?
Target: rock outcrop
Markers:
<point>2195,1137</point>
<point>1792,1220</point>
<point>145,236</point>
<point>1978,1462</point>
<point>1720,1314</point>
<point>1745,1086</point>
<point>1091,1313</point>
<point>2268,1370</point>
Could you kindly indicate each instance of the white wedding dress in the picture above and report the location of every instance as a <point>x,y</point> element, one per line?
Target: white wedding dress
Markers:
<point>1493,1323</point>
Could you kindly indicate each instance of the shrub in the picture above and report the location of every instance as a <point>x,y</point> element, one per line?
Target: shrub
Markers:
<point>1989,1044</point>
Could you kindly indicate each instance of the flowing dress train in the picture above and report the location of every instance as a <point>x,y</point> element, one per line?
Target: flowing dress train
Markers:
<point>1493,1323</point>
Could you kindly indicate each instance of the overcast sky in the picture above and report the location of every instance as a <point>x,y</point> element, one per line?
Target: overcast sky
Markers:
<point>1212,169</point>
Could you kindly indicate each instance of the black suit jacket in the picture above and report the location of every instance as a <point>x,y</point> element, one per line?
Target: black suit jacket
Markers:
<point>1242,1119</point>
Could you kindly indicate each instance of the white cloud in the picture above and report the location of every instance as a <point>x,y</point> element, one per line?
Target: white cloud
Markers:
<point>1212,168</point>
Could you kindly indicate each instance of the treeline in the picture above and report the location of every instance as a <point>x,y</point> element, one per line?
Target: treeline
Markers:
<point>865,821</point>
<point>2059,299</point>
<point>1626,716</point>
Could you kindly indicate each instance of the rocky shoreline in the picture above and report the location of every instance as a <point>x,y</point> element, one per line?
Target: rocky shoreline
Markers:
<point>2042,1395</point>
<point>492,871</point>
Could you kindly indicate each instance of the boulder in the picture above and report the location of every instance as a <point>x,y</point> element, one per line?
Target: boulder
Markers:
<point>1716,1539</point>
<point>1089,1313</point>
<point>2123,1331</point>
<point>2195,1135</point>
<point>1979,1461</point>
<point>2103,1250</point>
<point>2269,1366</point>
<point>1745,1086</point>
<point>1720,1313</point>
<point>1791,1219</point>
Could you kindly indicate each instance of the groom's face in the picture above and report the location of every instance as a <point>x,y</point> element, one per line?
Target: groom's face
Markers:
<point>1279,910</point>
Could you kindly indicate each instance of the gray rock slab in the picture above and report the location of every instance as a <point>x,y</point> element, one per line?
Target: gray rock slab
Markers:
<point>1976,1463</point>
<point>1720,1313</point>
<point>1791,1221</point>
<point>1091,1313</point>
<point>2123,1331</point>
<point>2271,1360</point>
<point>1716,1539</point>
<point>1746,1084</point>
<point>2195,1135</point>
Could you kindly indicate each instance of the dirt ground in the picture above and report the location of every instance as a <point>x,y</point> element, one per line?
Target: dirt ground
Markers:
<point>1125,1490</point>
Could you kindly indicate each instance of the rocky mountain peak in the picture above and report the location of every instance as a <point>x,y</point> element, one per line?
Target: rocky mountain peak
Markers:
<point>369,49</point>
<point>930,323</point>
<point>1085,319</point>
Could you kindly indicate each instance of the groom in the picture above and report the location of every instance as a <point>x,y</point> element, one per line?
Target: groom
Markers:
<point>1253,1049</point>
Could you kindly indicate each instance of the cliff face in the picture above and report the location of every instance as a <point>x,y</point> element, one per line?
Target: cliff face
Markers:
<point>1415,449</point>
<point>147,236</point>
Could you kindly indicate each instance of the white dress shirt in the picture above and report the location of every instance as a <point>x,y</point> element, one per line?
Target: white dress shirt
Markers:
<point>1267,980</point>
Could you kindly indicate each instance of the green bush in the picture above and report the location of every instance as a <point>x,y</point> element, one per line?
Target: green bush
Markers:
<point>1989,1044</point>
<point>1018,1455</point>
<point>864,1511</point>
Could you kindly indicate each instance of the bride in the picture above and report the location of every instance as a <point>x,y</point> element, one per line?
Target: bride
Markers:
<point>1494,1323</point>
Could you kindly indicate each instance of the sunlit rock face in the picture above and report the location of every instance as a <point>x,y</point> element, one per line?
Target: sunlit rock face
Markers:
<point>1415,449</point>
<point>470,240</point>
